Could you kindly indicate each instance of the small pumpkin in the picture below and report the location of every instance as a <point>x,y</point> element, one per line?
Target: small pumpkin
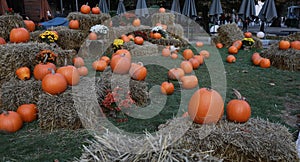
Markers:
<point>74,24</point>
<point>233,50</point>
<point>248,34</point>
<point>200,59</point>
<point>85,9</point>
<point>238,110</point>
<point>265,63</point>
<point>166,52</point>
<point>206,106</point>
<point>138,40</point>
<point>175,73</point>
<point>167,88</point>
<point>255,55</point>
<point>138,71</point>
<point>83,71</point>
<point>120,64</point>
<point>19,35</point>
<point>10,121</point>
<point>257,60</point>
<point>284,44</point>
<point>174,56</point>
<point>136,22</point>
<point>30,25</point>
<point>99,65</point>
<point>156,35</point>
<point>230,59</point>
<point>106,59</point>
<point>186,66</point>
<point>28,112</point>
<point>161,10</point>
<point>238,44</point>
<point>189,82</point>
<point>2,40</point>
<point>23,73</point>
<point>125,38</point>
<point>294,45</point>
<point>93,36</point>
<point>199,44</point>
<point>96,10</point>
<point>219,45</point>
<point>71,74</point>
<point>78,61</point>
<point>204,53</point>
<point>54,83</point>
<point>187,54</point>
<point>41,70</point>
<point>195,63</point>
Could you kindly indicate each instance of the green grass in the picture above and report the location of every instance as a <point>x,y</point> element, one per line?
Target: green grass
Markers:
<point>267,91</point>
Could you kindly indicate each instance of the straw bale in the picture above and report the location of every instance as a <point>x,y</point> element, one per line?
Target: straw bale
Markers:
<point>94,48</point>
<point>16,92</point>
<point>147,49</point>
<point>176,29</point>
<point>255,140</point>
<point>118,31</point>
<point>86,21</point>
<point>13,56</point>
<point>163,18</point>
<point>139,92</point>
<point>8,22</point>
<point>229,33</point>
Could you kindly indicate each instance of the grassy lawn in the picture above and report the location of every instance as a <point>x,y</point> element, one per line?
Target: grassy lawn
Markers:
<point>267,90</point>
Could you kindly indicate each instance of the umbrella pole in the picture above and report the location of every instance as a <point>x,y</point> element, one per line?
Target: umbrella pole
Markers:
<point>76,5</point>
<point>61,7</point>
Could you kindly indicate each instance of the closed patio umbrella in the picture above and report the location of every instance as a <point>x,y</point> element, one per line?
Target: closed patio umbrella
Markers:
<point>268,13</point>
<point>141,8</point>
<point>45,12</point>
<point>175,6</point>
<point>247,12</point>
<point>103,6</point>
<point>215,10</point>
<point>189,8</point>
<point>3,7</point>
<point>121,8</point>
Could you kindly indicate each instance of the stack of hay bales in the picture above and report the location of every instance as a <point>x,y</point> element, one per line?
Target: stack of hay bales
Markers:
<point>284,59</point>
<point>255,140</point>
<point>8,22</point>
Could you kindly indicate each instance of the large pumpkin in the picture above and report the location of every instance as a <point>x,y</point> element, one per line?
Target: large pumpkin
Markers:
<point>19,35</point>
<point>70,73</point>
<point>138,71</point>
<point>54,83</point>
<point>122,51</point>
<point>238,110</point>
<point>10,121</point>
<point>29,25</point>
<point>120,64</point>
<point>28,112</point>
<point>41,70</point>
<point>195,63</point>
<point>206,106</point>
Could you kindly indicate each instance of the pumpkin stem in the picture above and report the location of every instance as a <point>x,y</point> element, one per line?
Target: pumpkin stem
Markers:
<point>238,94</point>
<point>52,70</point>
<point>45,59</point>
<point>140,63</point>
<point>5,112</point>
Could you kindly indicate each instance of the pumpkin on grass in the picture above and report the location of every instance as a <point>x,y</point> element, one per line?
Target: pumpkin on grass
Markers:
<point>238,44</point>
<point>99,65</point>
<point>230,59</point>
<point>54,83</point>
<point>174,56</point>
<point>219,45</point>
<point>167,88</point>
<point>204,53</point>
<point>200,59</point>
<point>10,121</point>
<point>233,50</point>
<point>138,71</point>
<point>186,66</point>
<point>23,73</point>
<point>265,63</point>
<point>106,59</point>
<point>19,35</point>
<point>257,60</point>
<point>206,106</point>
<point>195,63</point>
<point>166,52</point>
<point>70,73</point>
<point>189,82</point>
<point>238,110</point>
<point>255,55</point>
<point>28,112</point>
<point>187,54</point>
<point>175,73</point>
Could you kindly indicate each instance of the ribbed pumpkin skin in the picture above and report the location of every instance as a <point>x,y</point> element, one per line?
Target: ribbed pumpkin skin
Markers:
<point>54,83</point>
<point>10,122</point>
<point>70,73</point>
<point>41,70</point>
<point>28,112</point>
<point>19,35</point>
<point>238,111</point>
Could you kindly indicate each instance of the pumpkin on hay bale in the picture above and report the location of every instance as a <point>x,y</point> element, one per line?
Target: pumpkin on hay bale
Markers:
<point>8,22</point>
<point>255,140</point>
<point>229,33</point>
<point>284,59</point>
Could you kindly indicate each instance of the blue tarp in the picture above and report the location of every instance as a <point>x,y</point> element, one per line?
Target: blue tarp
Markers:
<point>57,21</point>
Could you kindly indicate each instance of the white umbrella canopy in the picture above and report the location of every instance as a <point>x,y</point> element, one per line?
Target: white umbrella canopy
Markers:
<point>141,9</point>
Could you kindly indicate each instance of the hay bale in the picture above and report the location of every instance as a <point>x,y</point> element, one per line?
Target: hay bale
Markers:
<point>176,29</point>
<point>256,140</point>
<point>16,92</point>
<point>147,49</point>
<point>86,21</point>
<point>13,56</point>
<point>118,31</point>
<point>229,33</point>
<point>163,18</point>
<point>8,22</point>
<point>94,49</point>
<point>139,92</point>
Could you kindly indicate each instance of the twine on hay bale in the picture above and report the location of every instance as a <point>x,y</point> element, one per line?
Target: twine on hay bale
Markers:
<point>13,56</point>
<point>163,18</point>
<point>256,140</point>
<point>229,33</point>
<point>16,92</point>
<point>8,22</point>
<point>86,21</point>
<point>284,59</point>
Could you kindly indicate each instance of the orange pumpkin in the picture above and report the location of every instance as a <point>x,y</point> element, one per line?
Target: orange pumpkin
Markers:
<point>138,40</point>
<point>186,66</point>
<point>99,65</point>
<point>10,121</point>
<point>255,55</point>
<point>41,70</point>
<point>199,44</point>
<point>175,73</point>
<point>93,36</point>
<point>85,9</point>
<point>23,73</point>
<point>106,59</point>
<point>187,54</point>
<point>71,74</point>
<point>265,63</point>
<point>284,44</point>
<point>125,38</point>
<point>54,83</point>
<point>230,59</point>
<point>136,22</point>
<point>204,53</point>
<point>238,44</point>
<point>233,50</point>
<point>74,24</point>
<point>238,110</point>
<point>161,10</point>
<point>195,63</point>
<point>174,56</point>
<point>200,59</point>
<point>257,60</point>
<point>248,35</point>
<point>166,52</point>
<point>2,40</point>
<point>28,112</point>
<point>219,45</point>
<point>96,10</point>
<point>206,106</point>
<point>295,45</point>
<point>19,35</point>
<point>83,71</point>
<point>138,71</point>
<point>156,35</point>
<point>189,82</point>
<point>120,64</point>
<point>29,25</point>
<point>167,88</point>
<point>122,51</point>
<point>131,37</point>
<point>78,61</point>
